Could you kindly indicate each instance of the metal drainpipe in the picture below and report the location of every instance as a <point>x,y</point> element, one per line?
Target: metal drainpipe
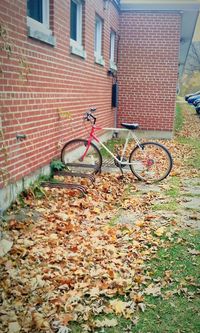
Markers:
<point>116,109</point>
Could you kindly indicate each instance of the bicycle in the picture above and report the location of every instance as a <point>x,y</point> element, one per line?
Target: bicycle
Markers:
<point>148,161</point>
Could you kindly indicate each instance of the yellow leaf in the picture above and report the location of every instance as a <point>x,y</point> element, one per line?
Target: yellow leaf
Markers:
<point>159,232</point>
<point>97,210</point>
<point>139,223</point>
<point>39,322</point>
<point>118,306</point>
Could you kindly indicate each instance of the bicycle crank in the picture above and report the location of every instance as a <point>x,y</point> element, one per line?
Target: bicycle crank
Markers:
<point>118,164</point>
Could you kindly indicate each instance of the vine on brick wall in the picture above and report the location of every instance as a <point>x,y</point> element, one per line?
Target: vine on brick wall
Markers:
<point>5,43</point>
<point>66,115</point>
<point>24,69</point>
<point>7,46</point>
<point>4,174</point>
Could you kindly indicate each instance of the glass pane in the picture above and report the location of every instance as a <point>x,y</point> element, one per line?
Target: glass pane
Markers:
<point>34,10</point>
<point>73,21</point>
<point>96,36</point>
<point>112,46</point>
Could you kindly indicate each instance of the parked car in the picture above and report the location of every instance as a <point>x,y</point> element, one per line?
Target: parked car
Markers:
<point>190,95</point>
<point>196,102</point>
<point>197,108</point>
<point>193,98</point>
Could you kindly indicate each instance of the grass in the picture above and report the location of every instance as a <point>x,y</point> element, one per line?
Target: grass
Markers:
<point>174,190</point>
<point>194,144</point>
<point>172,194</point>
<point>176,258</point>
<point>180,312</point>
<point>112,144</point>
<point>169,206</point>
<point>113,220</point>
<point>179,118</point>
<point>174,316</point>
<point>177,312</point>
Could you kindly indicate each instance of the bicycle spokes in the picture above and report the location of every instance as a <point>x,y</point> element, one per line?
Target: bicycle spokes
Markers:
<point>150,162</point>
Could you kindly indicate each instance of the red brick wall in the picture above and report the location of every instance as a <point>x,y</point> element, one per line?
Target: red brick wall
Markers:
<point>147,68</point>
<point>58,82</point>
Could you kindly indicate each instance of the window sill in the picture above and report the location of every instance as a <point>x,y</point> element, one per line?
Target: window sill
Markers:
<point>41,36</point>
<point>113,66</point>
<point>99,60</point>
<point>77,50</point>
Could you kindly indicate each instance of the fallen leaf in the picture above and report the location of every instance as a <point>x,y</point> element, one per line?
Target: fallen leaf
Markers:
<point>63,216</point>
<point>153,290</point>
<point>142,306</point>
<point>14,327</point>
<point>160,231</point>
<point>118,306</point>
<point>64,329</point>
<point>39,321</point>
<point>194,252</point>
<point>106,323</point>
<point>5,246</point>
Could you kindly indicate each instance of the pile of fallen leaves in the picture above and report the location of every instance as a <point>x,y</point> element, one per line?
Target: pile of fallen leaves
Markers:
<point>73,264</point>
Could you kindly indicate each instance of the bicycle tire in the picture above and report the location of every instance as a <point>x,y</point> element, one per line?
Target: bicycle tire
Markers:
<point>151,162</point>
<point>71,157</point>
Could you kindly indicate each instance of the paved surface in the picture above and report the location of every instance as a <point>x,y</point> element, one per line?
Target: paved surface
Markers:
<point>187,213</point>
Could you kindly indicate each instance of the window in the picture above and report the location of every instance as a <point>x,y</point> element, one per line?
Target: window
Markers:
<point>112,50</point>
<point>76,21</point>
<point>35,10</point>
<point>76,18</point>
<point>98,41</point>
<point>38,21</point>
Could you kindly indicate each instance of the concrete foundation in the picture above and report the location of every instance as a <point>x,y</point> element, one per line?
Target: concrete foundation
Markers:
<point>9,193</point>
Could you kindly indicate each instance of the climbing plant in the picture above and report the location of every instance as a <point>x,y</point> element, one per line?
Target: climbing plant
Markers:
<point>8,48</point>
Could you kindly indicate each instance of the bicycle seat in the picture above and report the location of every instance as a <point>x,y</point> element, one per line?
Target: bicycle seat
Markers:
<point>130,126</point>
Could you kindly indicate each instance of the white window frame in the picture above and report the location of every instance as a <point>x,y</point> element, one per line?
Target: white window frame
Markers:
<point>41,27</point>
<point>112,46</point>
<point>112,50</point>
<point>79,23</point>
<point>76,46</point>
<point>98,36</point>
<point>98,41</point>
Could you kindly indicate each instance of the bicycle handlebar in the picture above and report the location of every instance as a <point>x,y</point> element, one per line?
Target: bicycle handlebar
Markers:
<point>89,116</point>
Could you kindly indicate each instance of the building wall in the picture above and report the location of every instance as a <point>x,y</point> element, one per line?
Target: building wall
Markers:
<point>46,89</point>
<point>147,68</point>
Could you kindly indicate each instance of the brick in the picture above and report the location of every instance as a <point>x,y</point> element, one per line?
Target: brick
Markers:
<point>57,80</point>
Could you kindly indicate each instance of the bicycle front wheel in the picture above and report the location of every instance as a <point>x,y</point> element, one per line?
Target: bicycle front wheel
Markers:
<point>76,159</point>
<point>150,162</point>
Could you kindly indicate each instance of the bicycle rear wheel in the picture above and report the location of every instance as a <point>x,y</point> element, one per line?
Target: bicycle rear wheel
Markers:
<point>72,153</point>
<point>151,162</point>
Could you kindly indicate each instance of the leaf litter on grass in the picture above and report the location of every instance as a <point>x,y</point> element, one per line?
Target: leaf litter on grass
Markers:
<point>71,266</point>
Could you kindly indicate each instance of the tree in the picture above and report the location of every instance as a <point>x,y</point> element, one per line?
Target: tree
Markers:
<point>193,60</point>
